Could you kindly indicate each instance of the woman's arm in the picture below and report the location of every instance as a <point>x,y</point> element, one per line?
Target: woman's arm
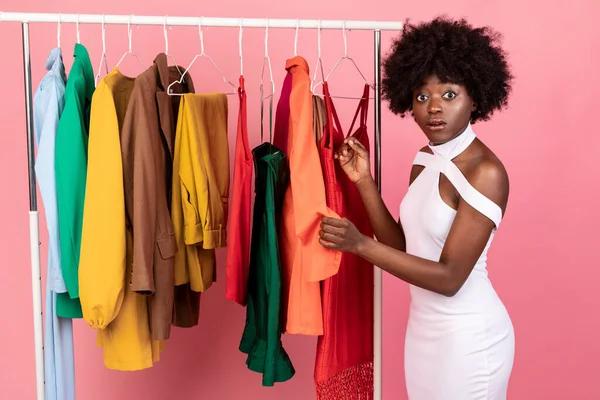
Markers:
<point>466,241</point>
<point>386,229</point>
<point>354,160</point>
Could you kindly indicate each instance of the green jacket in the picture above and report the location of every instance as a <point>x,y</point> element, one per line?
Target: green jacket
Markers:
<point>71,169</point>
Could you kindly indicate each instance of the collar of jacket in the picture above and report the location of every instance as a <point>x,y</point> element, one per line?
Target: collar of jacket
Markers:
<point>54,63</point>
<point>167,104</point>
<point>297,61</point>
<point>80,53</point>
<point>169,74</point>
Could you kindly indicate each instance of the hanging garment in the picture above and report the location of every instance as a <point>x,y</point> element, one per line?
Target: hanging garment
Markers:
<point>108,303</point>
<point>305,260</point>
<point>200,187</point>
<point>344,362</point>
<point>48,104</point>
<point>282,116</point>
<point>238,240</point>
<point>145,147</point>
<point>319,117</point>
<point>261,339</point>
<point>459,347</point>
<point>71,168</point>
<point>127,342</point>
<point>186,303</point>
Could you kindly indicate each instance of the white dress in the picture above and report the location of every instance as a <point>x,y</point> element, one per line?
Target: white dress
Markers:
<point>460,347</point>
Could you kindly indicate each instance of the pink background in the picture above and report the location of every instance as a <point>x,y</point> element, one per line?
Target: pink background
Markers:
<point>543,261</point>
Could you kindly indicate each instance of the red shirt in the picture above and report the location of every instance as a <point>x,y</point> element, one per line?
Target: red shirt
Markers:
<point>239,234</point>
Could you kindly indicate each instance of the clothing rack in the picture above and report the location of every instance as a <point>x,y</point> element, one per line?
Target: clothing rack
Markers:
<point>26,18</point>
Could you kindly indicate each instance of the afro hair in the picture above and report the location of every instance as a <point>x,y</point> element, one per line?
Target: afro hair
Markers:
<point>454,51</point>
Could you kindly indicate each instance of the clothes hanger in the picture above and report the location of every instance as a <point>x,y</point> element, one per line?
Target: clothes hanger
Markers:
<point>77,28</point>
<point>266,61</point>
<point>240,40</point>
<point>201,54</point>
<point>296,37</point>
<point>167,47</point>
<point>58,31</point>
<point>103,57</point>
<point>346,57</point>
<point>129,51</point>
<point>313,86</point>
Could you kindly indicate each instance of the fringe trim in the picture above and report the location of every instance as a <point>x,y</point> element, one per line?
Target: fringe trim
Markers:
<point>354,383</point>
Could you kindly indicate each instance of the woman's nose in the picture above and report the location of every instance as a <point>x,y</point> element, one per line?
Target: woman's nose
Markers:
<point>434,106</point>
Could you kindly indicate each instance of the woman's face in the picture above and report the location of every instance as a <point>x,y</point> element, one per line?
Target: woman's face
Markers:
<point>442,110</point>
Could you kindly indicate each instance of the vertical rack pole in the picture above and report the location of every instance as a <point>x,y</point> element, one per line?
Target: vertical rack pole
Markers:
<point>34,230</point>
<point>377,303</point>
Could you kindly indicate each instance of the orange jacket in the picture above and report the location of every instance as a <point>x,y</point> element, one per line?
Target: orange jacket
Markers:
<point>305,260</point>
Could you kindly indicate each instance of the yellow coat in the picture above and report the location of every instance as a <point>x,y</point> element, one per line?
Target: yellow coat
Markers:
<point>200,189</point>
<point>108,304</point>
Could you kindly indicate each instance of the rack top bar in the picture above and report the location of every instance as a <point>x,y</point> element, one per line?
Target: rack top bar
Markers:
<point>195,21</point>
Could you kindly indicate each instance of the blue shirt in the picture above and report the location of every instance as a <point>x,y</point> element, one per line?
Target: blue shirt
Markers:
<point>48,104</point>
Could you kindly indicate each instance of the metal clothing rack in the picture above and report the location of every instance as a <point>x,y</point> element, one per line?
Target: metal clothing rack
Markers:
<point>26,18</point>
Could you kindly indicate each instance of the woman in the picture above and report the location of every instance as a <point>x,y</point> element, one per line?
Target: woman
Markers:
<point>460,340</point>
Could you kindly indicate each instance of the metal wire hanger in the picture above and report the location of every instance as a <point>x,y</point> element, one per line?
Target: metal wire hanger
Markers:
<point>346,57</point>
<point>314,85</point>
<point>103,57</point>
<point>129,52</point>
<point>240,45</point>
<point>58,30</point>
<point>77,29</point>
<point>201,54</point>
<point>266,62</point>
<point>167,47</point>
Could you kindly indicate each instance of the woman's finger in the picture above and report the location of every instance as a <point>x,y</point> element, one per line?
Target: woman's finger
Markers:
<point>327,244</point>
<point>337,222</point>
<point>358,147</point>
<point>331,237</point>
<point>341,232</point>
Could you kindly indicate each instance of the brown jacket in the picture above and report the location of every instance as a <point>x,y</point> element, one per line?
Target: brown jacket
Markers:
<point>147,141</point>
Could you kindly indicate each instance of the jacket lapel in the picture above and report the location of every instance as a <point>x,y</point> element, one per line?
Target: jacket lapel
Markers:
<point>168,105</point>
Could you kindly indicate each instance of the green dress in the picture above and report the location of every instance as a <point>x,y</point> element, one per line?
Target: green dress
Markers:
<point>71,167</point>
<point>262,334</point>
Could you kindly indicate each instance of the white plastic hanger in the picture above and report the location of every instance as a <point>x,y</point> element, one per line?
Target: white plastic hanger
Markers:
<point>58,31</point>
<point>266,61</point>
<point>129,51</point>
<point>202,54</point>
<point>167,47</point>
<point>296,37</point>
<point>240,40</point>
<point>346,57</point>
<point>103,57</point>
<point>77,27</point>
<point>313,86</point>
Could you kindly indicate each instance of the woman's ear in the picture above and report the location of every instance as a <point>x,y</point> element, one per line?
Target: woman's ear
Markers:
<point>474,107</point>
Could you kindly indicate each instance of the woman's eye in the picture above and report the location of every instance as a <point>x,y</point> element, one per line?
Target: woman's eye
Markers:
<point>421,97</point>
<point>449,95</point>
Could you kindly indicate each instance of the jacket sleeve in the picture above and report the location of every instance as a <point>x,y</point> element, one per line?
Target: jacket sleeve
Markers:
<point>181,272</point>
<point>46,125</point>
<point>308,187</point>
<point>70,165</point>
<point>141,123</point>
<point>208,153</point>
<point>191,172</point>
<point>102,259</point>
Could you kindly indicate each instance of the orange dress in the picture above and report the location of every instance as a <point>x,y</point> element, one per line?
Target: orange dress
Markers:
<point>305,261</point>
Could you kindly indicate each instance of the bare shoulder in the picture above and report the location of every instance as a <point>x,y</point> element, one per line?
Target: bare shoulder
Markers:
<point>487,174</point>
<point>416,170</point>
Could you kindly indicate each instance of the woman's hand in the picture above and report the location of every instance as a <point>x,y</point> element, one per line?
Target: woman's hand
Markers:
<point>354,160</point>
<point>340,234</point>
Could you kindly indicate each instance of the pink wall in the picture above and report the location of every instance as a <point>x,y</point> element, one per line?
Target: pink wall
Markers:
<point>543,262</point>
